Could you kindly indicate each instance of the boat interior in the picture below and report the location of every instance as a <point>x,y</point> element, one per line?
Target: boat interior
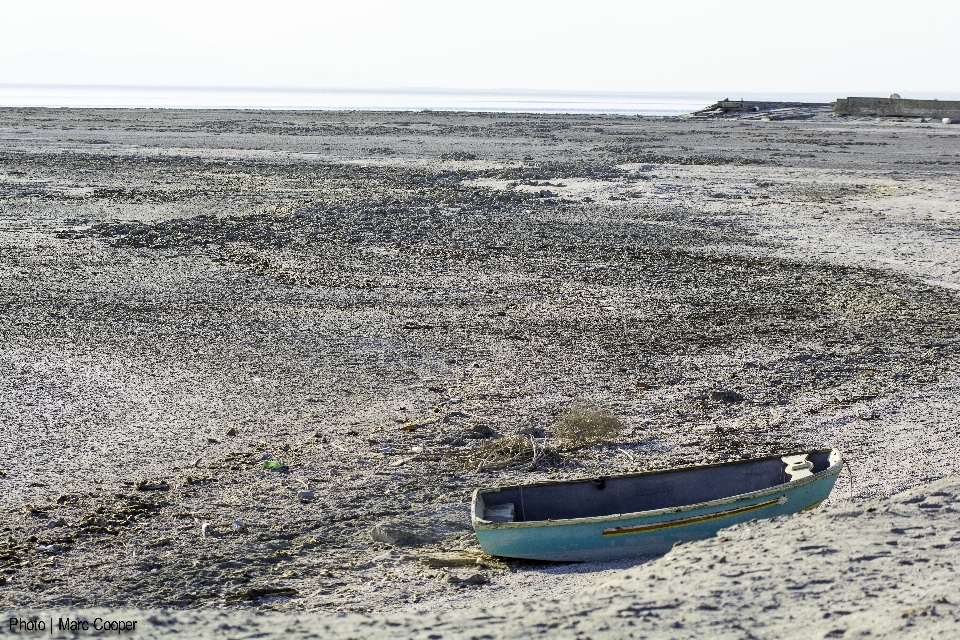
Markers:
<point>645,492</point>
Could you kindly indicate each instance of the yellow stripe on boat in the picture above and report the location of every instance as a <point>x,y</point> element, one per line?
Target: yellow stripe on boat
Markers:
<point>682,522</point>
<point>814,506</point>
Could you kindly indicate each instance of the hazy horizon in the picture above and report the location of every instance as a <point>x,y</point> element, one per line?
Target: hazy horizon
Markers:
<point>386,99</point>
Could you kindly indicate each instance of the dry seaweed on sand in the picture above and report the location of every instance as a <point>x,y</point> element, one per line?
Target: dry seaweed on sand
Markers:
<point>587,425</point>
<point>514,451</point>
<point>582,425</point>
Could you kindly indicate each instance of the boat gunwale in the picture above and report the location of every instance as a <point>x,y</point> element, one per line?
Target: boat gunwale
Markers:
<point>479,524</point>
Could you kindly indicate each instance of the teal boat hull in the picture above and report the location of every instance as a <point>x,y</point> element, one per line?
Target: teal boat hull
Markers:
<point>649,532</point>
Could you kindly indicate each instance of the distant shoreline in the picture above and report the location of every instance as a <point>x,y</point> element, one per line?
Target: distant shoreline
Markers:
<point>386,99</point>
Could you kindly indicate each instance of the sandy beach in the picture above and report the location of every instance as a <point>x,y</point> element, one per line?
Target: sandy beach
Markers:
<point>372,299</point>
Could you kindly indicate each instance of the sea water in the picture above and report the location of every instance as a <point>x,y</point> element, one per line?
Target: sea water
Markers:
<point>513,100</point>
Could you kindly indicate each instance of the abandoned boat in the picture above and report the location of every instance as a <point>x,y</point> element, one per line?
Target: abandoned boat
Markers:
<point>646,513</point>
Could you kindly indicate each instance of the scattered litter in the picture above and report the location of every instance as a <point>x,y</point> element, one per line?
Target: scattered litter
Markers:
<point>450,559</point>
<point>32,510</point>
<point>162,542</point>
<point>238,526</point>
<point>151,485</point>
<point>479,431</point>
<point>724,395</point>
<point>472,579</point>
<point>206,529</point>
<point>397,536</point>
<point>305,496</point>
<point>273,465</point>
<point>416,449</point>
<point>47,548</point>
<point>386,450</point>
<point>413,426</point>
<point>254,593</point>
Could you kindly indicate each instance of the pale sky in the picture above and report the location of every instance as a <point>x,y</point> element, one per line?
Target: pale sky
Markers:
<point>690,45</point>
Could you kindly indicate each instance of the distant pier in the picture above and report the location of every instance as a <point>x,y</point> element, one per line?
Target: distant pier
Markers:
<point>897,107</point>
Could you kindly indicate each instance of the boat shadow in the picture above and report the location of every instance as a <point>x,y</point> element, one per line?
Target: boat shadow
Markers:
<point>569,568</point>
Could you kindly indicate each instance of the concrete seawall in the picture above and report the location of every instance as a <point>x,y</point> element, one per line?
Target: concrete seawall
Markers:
<point>897,107</point>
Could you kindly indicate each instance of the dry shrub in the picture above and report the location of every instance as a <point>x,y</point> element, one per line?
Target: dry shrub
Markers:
<point>586,425</point>
<point>512,451</point>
